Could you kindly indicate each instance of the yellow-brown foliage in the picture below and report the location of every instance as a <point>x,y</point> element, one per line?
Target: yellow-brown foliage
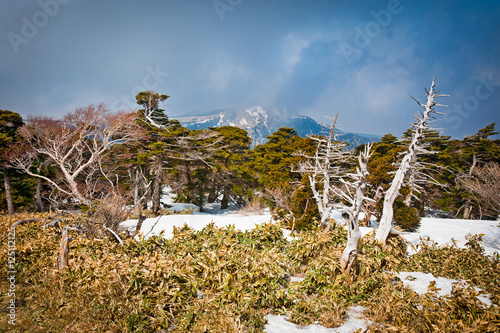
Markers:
<point>225,280</point>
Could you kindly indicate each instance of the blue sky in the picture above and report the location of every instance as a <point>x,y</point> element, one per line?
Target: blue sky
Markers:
<point>315,58</point>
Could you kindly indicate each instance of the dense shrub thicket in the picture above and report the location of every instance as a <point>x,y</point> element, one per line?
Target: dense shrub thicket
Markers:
<point>225,280</point>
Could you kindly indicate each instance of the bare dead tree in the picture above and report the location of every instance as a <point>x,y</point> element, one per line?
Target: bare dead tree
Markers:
<point>281,197</point>
<point>8,194</point>
<point>468,204</point>
<point>73,145</point>
<point>371,207</point>
<point>62,258</point>
<point>353,192</point>
<point>322,168</point>
<point>484,183</point>
<point>415,147</point>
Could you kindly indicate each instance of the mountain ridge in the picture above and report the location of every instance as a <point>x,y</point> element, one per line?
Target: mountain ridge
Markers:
<point>260,123</point>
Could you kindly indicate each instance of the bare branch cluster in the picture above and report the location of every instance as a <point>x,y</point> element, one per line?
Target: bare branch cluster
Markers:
<point>409,166</point>
<point>355,196</point>
<point>323,168</point>
<point>484,183</point>
<point>74,146</point>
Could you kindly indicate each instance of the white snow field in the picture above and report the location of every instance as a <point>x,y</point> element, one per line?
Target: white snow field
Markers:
<point>279,324</point>
<point>419,283</point>
<point>442,231</point>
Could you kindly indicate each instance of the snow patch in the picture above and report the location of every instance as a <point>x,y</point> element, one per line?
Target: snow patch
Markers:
<point>296,279</point>
<point>356,321</point>
<point>221,119</point>
<point>419,282</point>
<point>443,231</point>
<point>288,235</point>
<point>197,221</point>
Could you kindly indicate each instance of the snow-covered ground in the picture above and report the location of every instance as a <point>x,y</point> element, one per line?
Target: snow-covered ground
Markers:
<point>419,282</point>
<point>355,321</point>
<point>439,230</point>
<point>443,230</point>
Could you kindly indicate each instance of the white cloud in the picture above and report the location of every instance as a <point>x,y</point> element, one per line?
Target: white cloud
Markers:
<point>223,72</point>
<point>295,43</point>
<point>371,100</point>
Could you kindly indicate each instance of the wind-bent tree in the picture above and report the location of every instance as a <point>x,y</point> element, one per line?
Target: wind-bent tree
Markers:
<point>74,146</point>
<point>425,173</point>
<point>414,148</point>
<point>152,114</point>
<point>158,126</point>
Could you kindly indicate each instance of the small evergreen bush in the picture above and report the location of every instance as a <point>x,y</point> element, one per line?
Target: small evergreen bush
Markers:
<point>406,217</point>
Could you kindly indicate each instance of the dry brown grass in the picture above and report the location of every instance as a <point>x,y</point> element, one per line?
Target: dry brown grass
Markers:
<point>224,280</point>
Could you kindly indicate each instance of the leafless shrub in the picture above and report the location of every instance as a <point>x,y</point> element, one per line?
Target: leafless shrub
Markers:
<point>107,213</point>
<point>484,183</point>
<point>255,206</point>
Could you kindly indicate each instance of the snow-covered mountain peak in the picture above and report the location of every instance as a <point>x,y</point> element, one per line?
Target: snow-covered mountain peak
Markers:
<point>260,123</point>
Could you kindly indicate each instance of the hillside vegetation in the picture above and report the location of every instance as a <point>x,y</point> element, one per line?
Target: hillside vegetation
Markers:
<point>224,280</point>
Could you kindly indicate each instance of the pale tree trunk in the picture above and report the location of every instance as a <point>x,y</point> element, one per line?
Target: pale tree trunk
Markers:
<point>8,193</point>
<point>141,189</point>
<point>392,193</point>
<point>158,175</point>
<point>324,206</point>
<point>326,180</point>
<point>467,209</point>
<point>62,259</point>
<point>133,184</point>
<point>351,249</point>
<point>322,167</point>
<point>468,204</point>
<point>411,184</point>
<point>38,197</point>
<point>353,233</point>
<point>326,164</point>
<point>73,185</point>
